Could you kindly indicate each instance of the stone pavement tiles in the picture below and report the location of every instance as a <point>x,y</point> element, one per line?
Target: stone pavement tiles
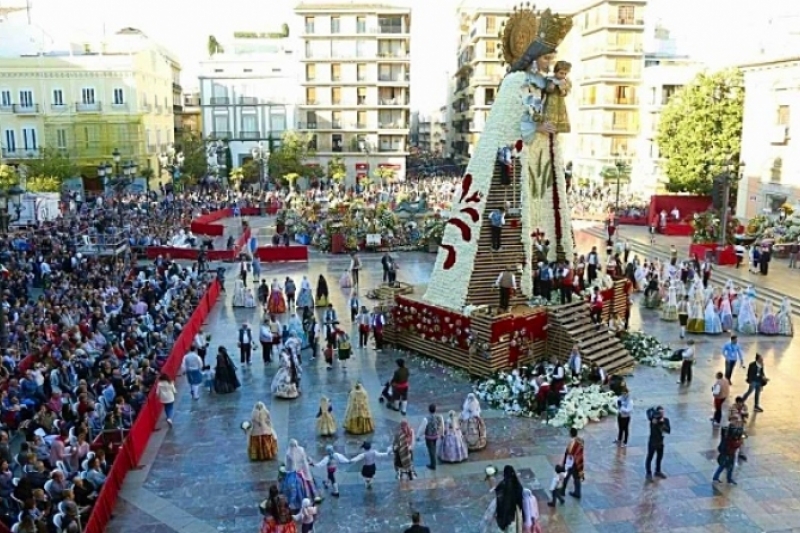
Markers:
<point>196,477</point>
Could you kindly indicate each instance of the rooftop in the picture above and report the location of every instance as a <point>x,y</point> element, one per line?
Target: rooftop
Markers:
<point>349,7</point>
<point>770,61</point>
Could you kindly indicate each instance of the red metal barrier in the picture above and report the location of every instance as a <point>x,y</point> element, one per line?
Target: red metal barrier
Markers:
<point>139,435</point>
<point>273,254</point>
<point>205,224</point>
<point>190,254</point>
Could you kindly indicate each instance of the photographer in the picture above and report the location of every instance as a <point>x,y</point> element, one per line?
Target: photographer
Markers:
<point>659,426</point>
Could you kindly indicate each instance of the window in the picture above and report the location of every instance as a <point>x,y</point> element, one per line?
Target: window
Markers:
<point>309,24</point>
<point>11,141</point>
<point>148,140</point>
<point>335,22</point>
<point>87,96</point>
<point>361,72</point>
<point>491,24</point>
<point>26,98</point>
<point>336,142</point>
<point>277,119</point>
<point>220,125</point>
<point>336,120</point>
<point>623,95</point>
<point>5,98</point>
<point>61,139</point>
<point>361,121</point>
<point>362,95</point>
<point>311,120</point>
<point>166,103</point>
<point>668,91</point>
<point>29,141</point>
<point>489,96</point>
<point>311,95</point>
<point>783,115</point>
<point>312,142</point>
<point>119,96</point>
<point>624,66</point>
<point>309,50</point>
<point>311,72</point>
<point>250,124</point>
<point>625,15</point>
<point>87,138</point>
<point>336,95</point>
<point>361,49</point>
<point>58,97</point>
<point>158,137</point>
<point>336,72</point>
<point>361,25</point>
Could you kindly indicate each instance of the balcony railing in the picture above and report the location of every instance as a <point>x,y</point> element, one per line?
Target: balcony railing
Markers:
<point>248,100</point>
<point>362,100</point>
<point>615,73</point>
<point>393,101</point>
<point>220,135</point>
<point>336,125</point>
<point>176,87</point>
<point>6,108</point>
<point>159,110</point>
<point>393,77</point>
<point>391,149</point>
<point>390,29</point>
<point>307,125</point>
<point>84,107</point>
<point>362,126</point>
<point>29,109</point>
<point>388,125</point>
<point>119,106</point>
<point>311,101</point>
<point>392,54</point>
<point>146,107</point>
<point>220,100</point>
<point>58,107</point>
<point>250,135</point>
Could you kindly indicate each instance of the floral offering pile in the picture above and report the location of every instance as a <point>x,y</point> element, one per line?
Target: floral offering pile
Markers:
<point>582,405</point>
<point>648,350</point>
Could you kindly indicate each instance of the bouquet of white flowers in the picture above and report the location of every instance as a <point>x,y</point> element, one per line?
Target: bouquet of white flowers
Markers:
<point>582,405</point>
<point>648,350</point>
<point>510,392</point>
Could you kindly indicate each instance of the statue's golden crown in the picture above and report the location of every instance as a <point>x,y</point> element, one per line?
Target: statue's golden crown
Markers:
<point>553,28</point>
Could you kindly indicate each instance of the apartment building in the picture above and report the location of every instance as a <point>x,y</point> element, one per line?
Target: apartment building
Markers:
<point>356,85</point>
<point>90,100</point>
<point>771,175</point>
<point>662,78</point>
<point>607,40</point>
<point>248,97</point>
<point>478,74</point>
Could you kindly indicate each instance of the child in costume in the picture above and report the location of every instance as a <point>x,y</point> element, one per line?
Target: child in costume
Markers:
<point>326,423</point>
<point>370,457</point>
<point>330,462</point>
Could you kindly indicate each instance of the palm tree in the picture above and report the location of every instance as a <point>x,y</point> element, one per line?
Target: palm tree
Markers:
<point>214,47</point>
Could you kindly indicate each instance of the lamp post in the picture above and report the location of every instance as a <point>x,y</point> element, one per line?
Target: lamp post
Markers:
<point>619,163</point>
<point>261,154</point>
<point>9,199</point>
<point>117,158</point>
<point>363,146</point>
<point>101,173</point>
<point>172,162</point>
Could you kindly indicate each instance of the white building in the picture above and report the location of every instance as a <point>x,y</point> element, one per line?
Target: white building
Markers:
<point>662,78</point>
<point>249,96</point>
<point>770,151</point>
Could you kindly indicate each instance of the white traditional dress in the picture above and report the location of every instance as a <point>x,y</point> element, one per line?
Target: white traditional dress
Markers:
<point>472,423</point>
<point>785,326</point>
<point>713,325</point>
<point>746,322</point>
<point>238,294</point>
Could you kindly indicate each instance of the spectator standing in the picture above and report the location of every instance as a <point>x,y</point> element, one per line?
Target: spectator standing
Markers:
<point>732,353</point>
<point>573,462</point>
<point>687,361</point>
<point>720,390</point>
<point>624,410</point>
<point>756,379</point>
<point>166,395</point>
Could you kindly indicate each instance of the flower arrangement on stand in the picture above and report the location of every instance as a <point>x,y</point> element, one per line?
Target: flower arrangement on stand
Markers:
<point>706,227</point>
<point>648,350</point>
<point>510,392</point>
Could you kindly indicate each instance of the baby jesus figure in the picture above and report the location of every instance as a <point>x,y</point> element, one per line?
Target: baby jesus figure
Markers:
<point>555,106</point>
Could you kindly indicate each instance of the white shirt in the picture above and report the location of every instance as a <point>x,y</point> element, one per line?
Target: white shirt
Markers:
<point>192,361</point>
<point>305,284</point>
<point>199,341</point>
<point>513,280</point>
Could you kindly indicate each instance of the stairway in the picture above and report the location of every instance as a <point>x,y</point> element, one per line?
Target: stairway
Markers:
<point>571,324</point>
<point>489,263</point>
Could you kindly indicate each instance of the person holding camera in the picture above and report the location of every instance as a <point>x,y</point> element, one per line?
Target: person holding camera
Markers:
<point>756,380</point>
<point>659,426</point>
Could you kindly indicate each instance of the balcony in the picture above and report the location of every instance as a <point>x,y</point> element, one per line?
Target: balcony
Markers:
<point>220,100</point>
<point>386,29</point>
<point>362,100</point>
<point>248,100</point>
<point>311,101</point>
<point>307,125</point>
<point>386,149</point>
<point>398,78</point>
<point>176,87</point>
<point>119,106</point>
<point>58,107</point>
<point>146,107</point>
<point>615,74</point>
<point>88,107</point>
<point>250,135</point>
<point>6,108</point>
<point>336,125</point>
<point>26,109</point>
<point>393,125</point>
<point>159,110</point>
<point>220,135</point>
<point>393,54</point>
<point>393,101</point>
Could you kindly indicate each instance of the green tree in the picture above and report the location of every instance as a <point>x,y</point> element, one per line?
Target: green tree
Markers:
<point>214,47</point>
<point>701,130</point>
<point>51,164</point>
<point>291,156</point>
<point>228,159</point>
<point>236,175</point>
<point>43,184</point>
<point>384,175</point>
<point>285,29</point>
<point>195,160</point>
<point>8,177</point>
<point>251,172</point>
<point>337,171</point>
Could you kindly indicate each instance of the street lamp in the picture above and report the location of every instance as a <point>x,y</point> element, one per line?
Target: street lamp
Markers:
<point>9,199</point>
<point>117,158</point>
<point>101,173</point>
<point>363,146</point>
<point>261,154</point>
<point>619,163</point>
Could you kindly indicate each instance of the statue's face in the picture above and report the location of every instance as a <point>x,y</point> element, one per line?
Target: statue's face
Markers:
<point>543,62</point>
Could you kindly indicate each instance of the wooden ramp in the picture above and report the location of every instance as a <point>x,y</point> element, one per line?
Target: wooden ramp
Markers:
<point>571,324</point>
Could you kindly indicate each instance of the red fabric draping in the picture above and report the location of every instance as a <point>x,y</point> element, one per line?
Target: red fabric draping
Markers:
<point>273,254</point>
<point>687,205</point>
<point>136,441</point>
<point>677,229</point>
<point>204,224</point>
<point>532,324</point>
<point>728,256</point>
<point>632,221</point>
<point>432,322</point>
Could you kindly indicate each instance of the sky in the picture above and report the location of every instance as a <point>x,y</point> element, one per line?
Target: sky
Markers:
<point>714,31</point>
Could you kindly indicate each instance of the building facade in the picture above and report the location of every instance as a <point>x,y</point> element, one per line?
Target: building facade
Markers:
<point>479,71</point>
<point>88,101</point>
<point>356,85</point>
<point>190,119</point>
<point>608,40</point>
<point>771,174</point>
<point>662,78</point>
<point>249,97</point>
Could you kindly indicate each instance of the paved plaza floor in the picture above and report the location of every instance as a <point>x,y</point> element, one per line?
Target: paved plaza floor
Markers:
<point>196,477</point>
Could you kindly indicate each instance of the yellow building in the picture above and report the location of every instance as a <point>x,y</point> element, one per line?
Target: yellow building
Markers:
<point>89,101</point>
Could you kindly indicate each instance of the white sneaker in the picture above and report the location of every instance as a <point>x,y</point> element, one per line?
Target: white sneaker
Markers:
<point>169,421</point>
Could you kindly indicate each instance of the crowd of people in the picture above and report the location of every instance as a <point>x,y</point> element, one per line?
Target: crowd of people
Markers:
<point>86,337</point>
<point>598,203</point>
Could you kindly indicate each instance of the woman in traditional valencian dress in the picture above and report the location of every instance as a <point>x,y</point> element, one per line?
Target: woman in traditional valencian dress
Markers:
<point>697,323</point>
<point>747,323</point>
<point>295,327</point>
<point>238,293</point>
<point>669,311</point>
<point>322,292</point>
<point>452,447</point>
<point>298,482</point>
<point>726,313</point>
<point>472,424</point>
<point>277,302</point>
<point>249,299</point>
<point>276,512</point>
<point>785,326</point>
<point>305,298</point>
<point>358,417</point>
<point>326,423</point>
<point>713,325</point>
<point>768,325</point>
<point>285,383</point>
<point>262,445</point>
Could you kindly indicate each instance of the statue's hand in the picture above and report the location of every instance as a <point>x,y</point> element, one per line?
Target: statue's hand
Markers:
<point>547,127</point>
